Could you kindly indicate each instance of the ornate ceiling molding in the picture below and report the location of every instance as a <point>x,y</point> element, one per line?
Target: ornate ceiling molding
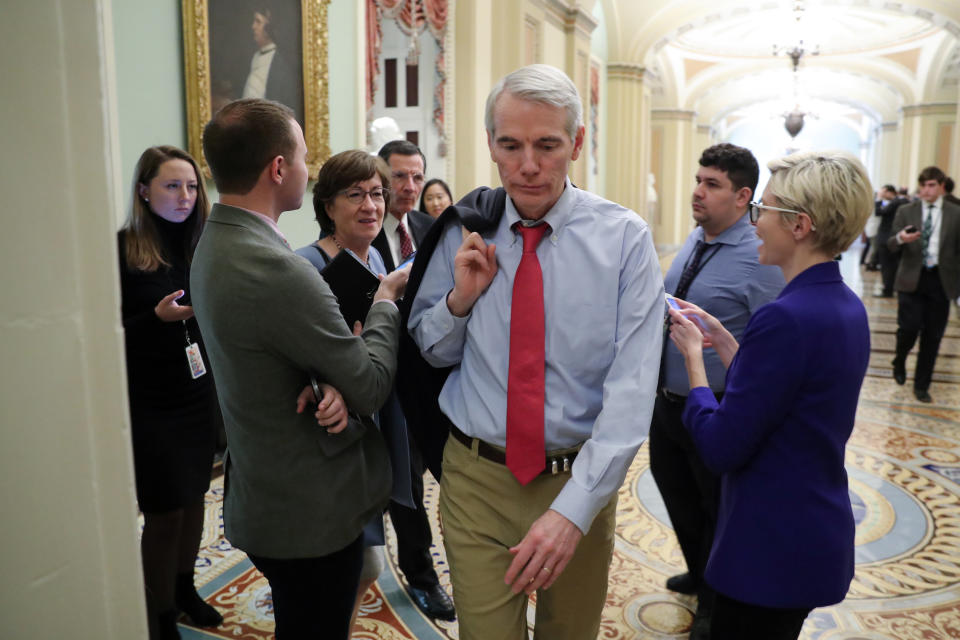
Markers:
<point>673,114</point>
<point>929,109</point>
<point>626,71</point>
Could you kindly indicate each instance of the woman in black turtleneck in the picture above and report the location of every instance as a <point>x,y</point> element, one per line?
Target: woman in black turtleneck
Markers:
<point>171,392</point>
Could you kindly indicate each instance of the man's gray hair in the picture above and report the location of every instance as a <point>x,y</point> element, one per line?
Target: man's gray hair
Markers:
<point>544,84</point>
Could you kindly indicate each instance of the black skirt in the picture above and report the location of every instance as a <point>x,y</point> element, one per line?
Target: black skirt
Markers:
<point>173,447</point>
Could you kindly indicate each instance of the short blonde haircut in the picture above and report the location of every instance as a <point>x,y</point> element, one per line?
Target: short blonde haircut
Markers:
<point>831,187</point>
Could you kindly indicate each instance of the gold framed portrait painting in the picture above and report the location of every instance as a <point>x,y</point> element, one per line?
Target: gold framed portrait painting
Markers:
<point>273,49</point>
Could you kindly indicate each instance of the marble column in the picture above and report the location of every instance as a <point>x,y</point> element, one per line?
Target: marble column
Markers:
<point>886,155</point>
<point>628,143</point>
<point>578,25</point>
<point>676,129</point>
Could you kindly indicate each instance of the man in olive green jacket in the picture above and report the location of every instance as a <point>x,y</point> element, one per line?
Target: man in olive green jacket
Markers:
<point>297,493</point>
<point>926,234</point>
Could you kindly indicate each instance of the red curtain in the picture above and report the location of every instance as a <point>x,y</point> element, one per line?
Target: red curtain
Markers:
<point>411,16</point>
<point>374,42</point>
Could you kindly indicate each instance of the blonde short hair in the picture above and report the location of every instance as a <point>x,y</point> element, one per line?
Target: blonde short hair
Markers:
<point>832,187</point>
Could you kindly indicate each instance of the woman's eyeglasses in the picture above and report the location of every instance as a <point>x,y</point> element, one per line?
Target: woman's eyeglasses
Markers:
<point>756,208</point>
<point>357,196</point>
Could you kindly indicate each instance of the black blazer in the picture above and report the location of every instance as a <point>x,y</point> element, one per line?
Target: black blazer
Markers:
<point>419,383</point>
<point>284,85</point>
<point>418,223</point>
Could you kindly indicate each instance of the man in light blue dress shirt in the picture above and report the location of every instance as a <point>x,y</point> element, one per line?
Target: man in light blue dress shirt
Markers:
<point>603,312</point>
<point>727,281</point>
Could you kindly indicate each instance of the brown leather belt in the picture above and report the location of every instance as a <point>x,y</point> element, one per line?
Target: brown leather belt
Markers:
<point>559,461</point>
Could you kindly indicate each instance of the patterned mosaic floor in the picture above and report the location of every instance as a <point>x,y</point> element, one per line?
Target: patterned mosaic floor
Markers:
<point>904,466</point>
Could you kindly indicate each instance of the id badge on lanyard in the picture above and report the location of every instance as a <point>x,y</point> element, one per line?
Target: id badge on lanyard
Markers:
<point>194,358</point>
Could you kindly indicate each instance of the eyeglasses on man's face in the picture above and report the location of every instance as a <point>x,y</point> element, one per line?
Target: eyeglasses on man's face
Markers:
<point>355,195</point>
<point>756,208</point>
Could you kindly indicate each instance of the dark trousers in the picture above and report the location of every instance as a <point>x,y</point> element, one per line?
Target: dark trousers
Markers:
<point>735,620</point>
<point>690,491</point>
<point>924,312</point>
<point>867,243</point>
<point>888,262</point>
<point>313,597</point>
<point>413,531</point>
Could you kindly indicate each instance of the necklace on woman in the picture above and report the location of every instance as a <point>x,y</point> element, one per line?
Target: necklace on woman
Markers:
<point>341,248</point>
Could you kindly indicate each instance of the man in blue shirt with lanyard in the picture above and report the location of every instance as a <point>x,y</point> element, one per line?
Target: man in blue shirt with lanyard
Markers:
<point>551,320</point>
<point>716,269</point>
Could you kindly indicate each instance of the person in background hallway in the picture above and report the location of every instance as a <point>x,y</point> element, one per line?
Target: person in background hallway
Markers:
<point>297,495</point>
<point>948,185</point>
<point>868,256</point>
<point>403,231</point>
<point>888,259</point>
<point>926,234</point>
<point>436,197</point>
<point>716,269</point>
<point>546,412</point>
<point>777,437</point>
<point>171,395</point>
<point>349,200</point>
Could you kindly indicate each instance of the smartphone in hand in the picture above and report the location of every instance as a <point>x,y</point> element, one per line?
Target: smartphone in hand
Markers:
<point>910,229</point>
<point>673,303</point>
<point>407,261</point>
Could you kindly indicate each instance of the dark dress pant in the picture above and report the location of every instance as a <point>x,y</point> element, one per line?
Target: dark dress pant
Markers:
<point>413,530</point>
<point>888,262</point>
<point>690,491</point>
<point>869,242</point>
<point>313,597</point>
<point>925,313</point>
<point>735,620</point>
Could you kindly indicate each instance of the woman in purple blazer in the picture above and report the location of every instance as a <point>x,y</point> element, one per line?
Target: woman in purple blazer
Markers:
<point>785,530</point>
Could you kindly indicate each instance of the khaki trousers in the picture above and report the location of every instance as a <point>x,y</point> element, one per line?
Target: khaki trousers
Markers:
<point>485,511</point>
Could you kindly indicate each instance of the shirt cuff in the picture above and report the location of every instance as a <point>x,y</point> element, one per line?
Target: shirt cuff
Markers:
<point>578,505</point>
<point>445,321</point>
<point>389,302</point>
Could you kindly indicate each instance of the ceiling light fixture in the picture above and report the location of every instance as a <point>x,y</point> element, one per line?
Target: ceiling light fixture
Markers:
<point>793,121</point>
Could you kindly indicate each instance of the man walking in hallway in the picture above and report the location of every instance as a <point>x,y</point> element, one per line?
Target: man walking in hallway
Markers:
<point>546,411</point>
<point>716,269</point>
<point>927,237</point>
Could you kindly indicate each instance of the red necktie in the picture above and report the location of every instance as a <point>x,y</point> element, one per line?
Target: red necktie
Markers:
<point>525,384</point>
<point>406,245</point>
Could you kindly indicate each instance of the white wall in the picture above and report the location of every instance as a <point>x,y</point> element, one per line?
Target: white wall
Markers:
<point>71,568</point>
